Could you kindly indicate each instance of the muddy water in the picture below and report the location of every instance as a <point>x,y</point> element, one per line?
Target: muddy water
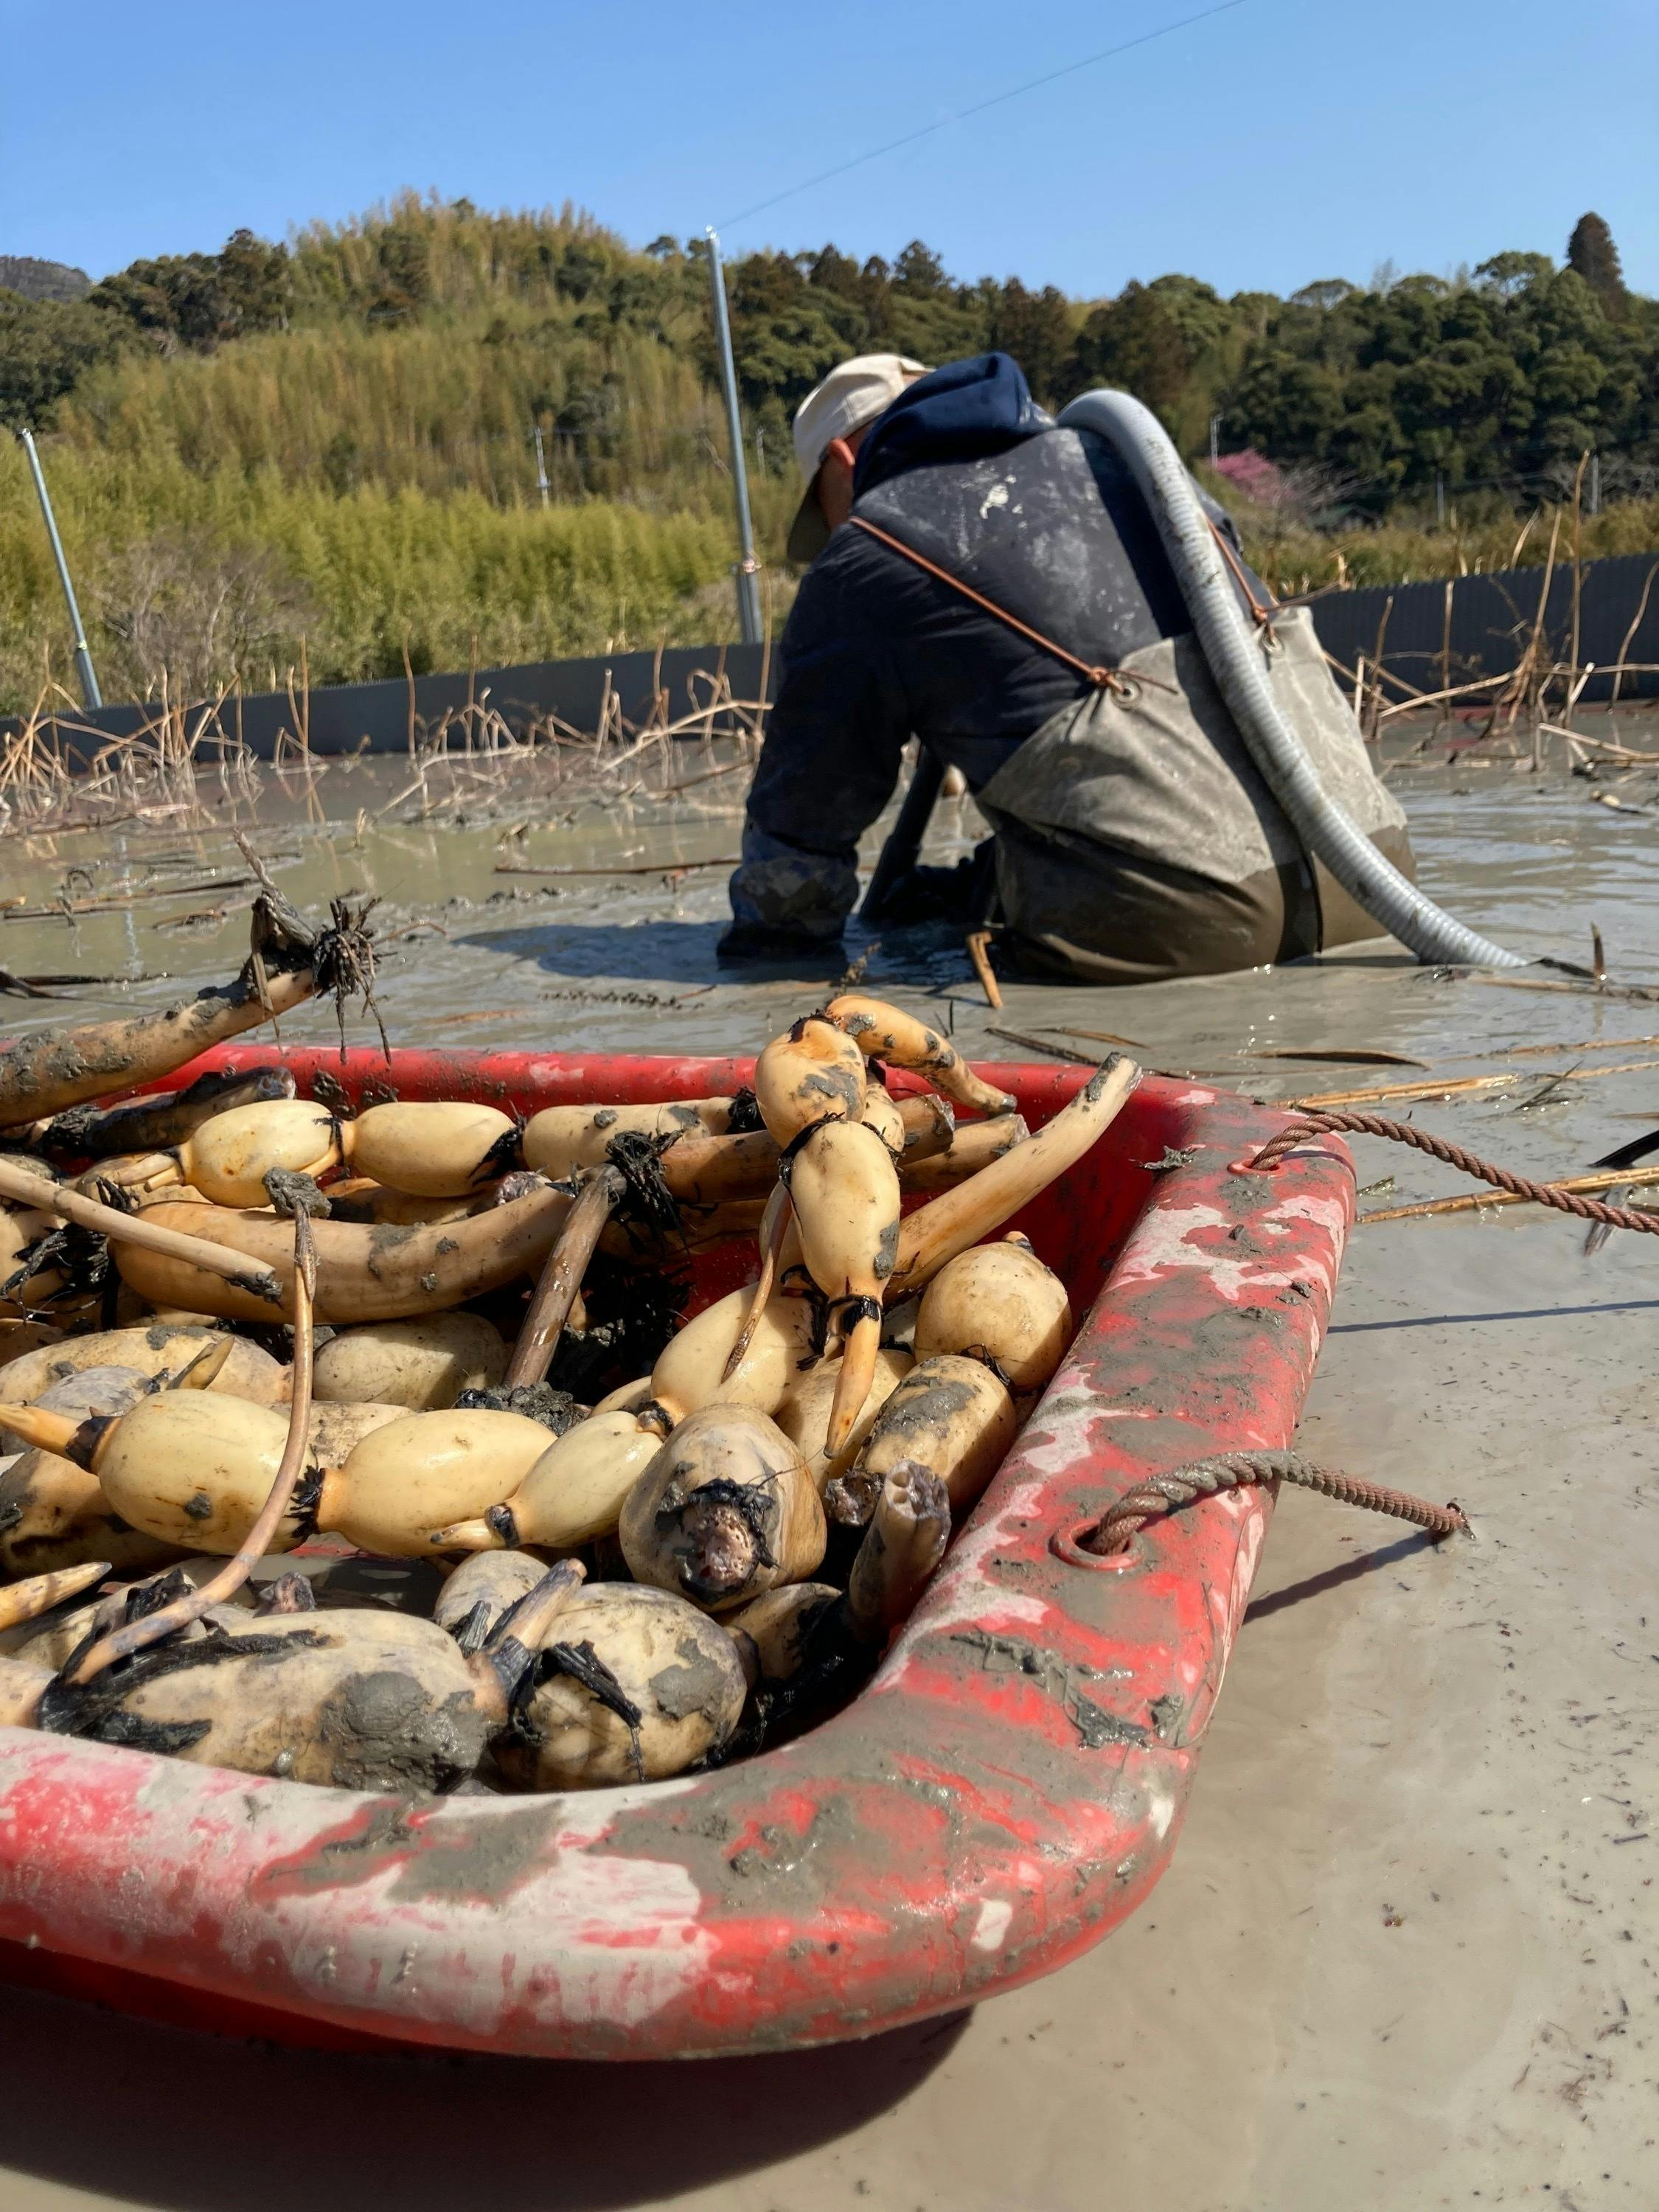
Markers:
<point>489,952</point>
<point>1406,1956</point>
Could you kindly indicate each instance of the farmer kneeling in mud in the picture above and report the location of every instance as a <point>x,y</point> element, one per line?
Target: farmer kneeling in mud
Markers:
<point>994,585</point>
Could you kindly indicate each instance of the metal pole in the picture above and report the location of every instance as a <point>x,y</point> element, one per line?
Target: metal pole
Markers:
<point>1215,439</point>
<point>541,463</point>
<point>90,695</point>
<point>749,606</point>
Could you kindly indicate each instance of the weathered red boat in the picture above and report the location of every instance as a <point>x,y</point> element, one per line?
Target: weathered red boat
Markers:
<point>1007,1789</point>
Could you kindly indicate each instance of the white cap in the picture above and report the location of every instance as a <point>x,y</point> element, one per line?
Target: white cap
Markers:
<point>849,398</point>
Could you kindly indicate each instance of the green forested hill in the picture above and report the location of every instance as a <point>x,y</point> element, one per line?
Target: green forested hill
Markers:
<point>332,440</point>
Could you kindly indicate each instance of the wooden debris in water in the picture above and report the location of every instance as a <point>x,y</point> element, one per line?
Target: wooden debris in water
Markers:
<point>619,868</point>
<point>1468,1085</point>
<point>1589,988</point>
<point>1452,1086</point>
<point>1569,1048</point>
<point>1038,1044</point>
<point>1101,1036</point>
<point>1337,1055</point>
<point>1478,1200</point>
<point>979,952</point>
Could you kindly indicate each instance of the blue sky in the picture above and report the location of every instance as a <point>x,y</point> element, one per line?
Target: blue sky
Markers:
<point>1280,141</point>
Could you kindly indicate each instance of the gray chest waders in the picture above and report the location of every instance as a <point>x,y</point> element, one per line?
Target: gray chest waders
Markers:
<point>1137,840</point>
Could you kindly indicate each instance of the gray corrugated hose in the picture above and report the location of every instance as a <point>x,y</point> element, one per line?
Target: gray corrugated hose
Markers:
<point>1235,662</point>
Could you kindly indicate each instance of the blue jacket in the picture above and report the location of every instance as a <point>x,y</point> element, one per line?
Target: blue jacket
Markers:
<point>1043,521</point>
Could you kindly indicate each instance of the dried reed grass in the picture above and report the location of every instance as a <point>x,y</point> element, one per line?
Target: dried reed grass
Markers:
<point>191,767</point>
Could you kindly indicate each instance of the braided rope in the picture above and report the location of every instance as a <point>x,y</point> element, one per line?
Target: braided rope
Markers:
<point>1440,1148</point>
<point>1204,1477</point>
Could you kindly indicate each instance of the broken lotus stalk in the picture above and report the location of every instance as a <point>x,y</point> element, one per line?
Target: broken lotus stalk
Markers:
<point>903,1546</point>
<point>950,1414</point>
<point>562,1276</point>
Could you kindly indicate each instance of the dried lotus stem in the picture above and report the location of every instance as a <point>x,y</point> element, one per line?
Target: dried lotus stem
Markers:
<point>562,1276</point>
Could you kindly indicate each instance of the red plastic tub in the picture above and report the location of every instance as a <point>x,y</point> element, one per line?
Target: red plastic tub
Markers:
<point>1007,1789</point>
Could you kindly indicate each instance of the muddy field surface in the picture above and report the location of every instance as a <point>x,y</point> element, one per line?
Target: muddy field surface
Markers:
<point>1408,1954</point>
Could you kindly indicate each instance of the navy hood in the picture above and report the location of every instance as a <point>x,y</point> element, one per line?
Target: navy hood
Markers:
<point>965,411</point>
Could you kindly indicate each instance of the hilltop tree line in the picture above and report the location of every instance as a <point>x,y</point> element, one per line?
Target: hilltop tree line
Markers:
<point>1506,373</point>
<point>318,454</point>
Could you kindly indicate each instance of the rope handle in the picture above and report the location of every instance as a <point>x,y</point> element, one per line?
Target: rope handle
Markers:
<point>1163,1494</point>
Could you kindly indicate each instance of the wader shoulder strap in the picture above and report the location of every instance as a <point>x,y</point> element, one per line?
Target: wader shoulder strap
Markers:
<point>1104,679</point>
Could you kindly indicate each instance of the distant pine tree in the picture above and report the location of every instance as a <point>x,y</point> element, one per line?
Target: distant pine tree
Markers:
<point>1591,251</point>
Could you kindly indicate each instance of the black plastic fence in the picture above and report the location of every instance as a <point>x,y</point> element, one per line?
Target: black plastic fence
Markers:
<point>625,689</point>
<point>1430,635</point>
<point>1437,634</point>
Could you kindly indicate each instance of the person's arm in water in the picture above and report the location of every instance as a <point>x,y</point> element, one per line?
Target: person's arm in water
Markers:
<point>834,742</point>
